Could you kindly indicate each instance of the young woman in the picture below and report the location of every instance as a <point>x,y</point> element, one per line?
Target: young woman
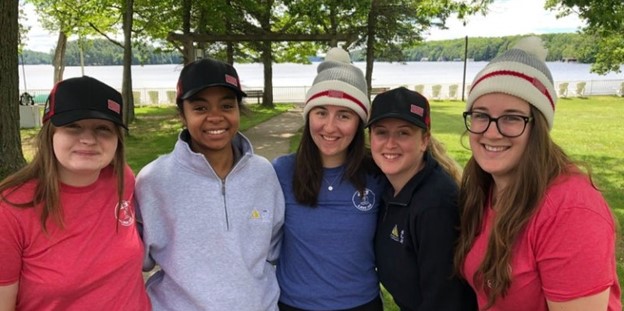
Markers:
<point>536,234</point>
<point>327,259</point>
<point>68,236</point>
<point>417,228</point>
<point>212,211</point>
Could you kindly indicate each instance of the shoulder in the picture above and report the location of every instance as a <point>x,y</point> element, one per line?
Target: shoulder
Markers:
<point>16,216</point>
<point>440,184</point>
<point>259,163</point>
<point>19,194</point>
<point>156,166</point>
<point>574,194</point>
<point>155,175</point>
<point>439,193</point>
<point>285,162</point>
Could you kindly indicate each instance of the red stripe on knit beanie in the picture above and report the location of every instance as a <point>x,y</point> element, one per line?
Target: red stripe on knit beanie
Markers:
<point>534,81</point>
<point>339,94</point>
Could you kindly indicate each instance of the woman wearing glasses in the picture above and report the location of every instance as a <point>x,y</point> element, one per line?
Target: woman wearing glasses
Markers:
<point>536,234</point>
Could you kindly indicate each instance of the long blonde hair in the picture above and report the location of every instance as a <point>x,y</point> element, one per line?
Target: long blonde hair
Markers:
<point>542,162</point>
<point>438,152</point>
<point>44,170</point>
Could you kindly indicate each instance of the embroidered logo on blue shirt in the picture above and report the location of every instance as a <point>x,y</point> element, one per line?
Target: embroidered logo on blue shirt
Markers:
<point>363,202</point>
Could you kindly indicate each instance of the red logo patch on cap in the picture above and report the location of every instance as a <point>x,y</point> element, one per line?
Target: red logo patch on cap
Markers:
<point>114,106</point>
<point>231,80</point>
<point>417,110</point>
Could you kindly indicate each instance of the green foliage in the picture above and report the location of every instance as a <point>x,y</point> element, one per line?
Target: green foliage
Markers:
<point>560,46</point>
<point>22,28</point>
<point>101,52</point>
<point>77,17</point>
<point>605,25</point>
<point>35,58</point>
<point>581,47</point>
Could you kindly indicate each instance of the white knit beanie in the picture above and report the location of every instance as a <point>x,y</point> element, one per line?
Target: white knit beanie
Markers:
<point>521,72</point>
<point>338,83</point>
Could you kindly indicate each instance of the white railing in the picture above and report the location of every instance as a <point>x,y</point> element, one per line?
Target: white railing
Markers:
<point>296,94</point>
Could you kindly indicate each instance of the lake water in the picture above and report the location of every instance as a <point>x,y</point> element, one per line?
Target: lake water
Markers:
<point>292,80</point>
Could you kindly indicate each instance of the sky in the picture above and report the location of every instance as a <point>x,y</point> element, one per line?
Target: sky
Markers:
<point>505,18</point>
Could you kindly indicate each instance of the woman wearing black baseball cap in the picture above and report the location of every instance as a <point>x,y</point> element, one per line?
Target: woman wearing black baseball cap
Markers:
<point>68,236</point>
<point>419,217</point>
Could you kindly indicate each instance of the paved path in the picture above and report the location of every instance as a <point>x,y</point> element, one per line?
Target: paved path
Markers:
<point>272,137</point>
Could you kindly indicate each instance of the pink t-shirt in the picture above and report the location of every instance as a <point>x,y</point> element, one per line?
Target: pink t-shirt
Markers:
<point>92,264</point>
<point>567,250</point>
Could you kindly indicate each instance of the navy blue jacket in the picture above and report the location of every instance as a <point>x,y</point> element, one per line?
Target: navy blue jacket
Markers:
<point>414,243</point>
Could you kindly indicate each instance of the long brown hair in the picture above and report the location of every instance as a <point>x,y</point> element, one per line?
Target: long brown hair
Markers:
<point>308,174</point>
<point>43,169</point>
<point>541,163</point>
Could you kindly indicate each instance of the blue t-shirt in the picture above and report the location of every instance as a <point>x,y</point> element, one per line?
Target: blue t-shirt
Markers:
<point>327,261</point>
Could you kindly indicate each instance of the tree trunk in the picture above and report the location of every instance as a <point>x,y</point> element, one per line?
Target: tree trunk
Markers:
<point>370,44</point>
<point>267,55</point>
<point>11,157</point>
<point>229,46</point>
<point>126,86</point>
<point>188,52</point>
<point>267,61</point>
<point>59,57</point>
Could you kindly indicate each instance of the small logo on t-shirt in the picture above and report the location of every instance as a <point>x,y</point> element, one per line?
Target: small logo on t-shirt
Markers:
<point>363,202</point>
<point>396,235</point>
<point>124,214</point>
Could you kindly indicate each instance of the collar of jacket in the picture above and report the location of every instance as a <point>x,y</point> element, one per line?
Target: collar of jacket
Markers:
<point>404,197</point>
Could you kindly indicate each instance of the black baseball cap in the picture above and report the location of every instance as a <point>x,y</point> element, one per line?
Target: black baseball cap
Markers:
<point>204,73</point>
<point>401,103</point>
<point>80,98</point>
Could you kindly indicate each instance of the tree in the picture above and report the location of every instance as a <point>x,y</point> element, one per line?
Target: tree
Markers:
<point>262,12</point>
<point>395,25</point>
<point>126,88</point>
<point>11,157</point>
<point>72,17</point>
<point>605,23</point>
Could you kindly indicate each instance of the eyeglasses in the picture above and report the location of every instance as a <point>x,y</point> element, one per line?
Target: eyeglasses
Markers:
<point>509,125</point>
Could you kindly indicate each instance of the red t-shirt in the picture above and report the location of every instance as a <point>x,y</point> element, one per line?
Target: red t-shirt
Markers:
<point>94,263</point>
<point>567,250</point>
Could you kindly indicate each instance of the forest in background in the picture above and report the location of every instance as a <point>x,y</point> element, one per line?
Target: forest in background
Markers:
<point>101,52</point>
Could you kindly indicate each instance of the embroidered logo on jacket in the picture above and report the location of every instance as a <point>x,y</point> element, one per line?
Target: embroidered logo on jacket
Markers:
<point>363,202</point>
<point>395,235</point>
<point>262,215</point>
<point>124,214</point>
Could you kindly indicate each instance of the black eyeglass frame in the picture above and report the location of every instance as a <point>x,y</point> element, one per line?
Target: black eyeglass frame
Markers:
<point>495,120</point>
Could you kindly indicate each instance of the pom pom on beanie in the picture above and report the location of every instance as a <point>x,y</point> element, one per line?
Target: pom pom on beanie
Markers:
<point>339,83</point>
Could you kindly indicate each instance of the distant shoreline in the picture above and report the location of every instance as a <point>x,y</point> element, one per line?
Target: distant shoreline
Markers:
<point>291,81</point>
